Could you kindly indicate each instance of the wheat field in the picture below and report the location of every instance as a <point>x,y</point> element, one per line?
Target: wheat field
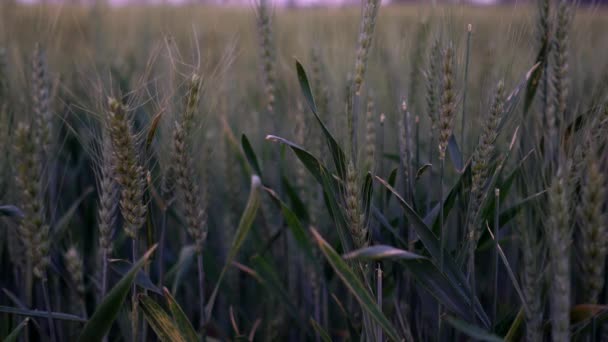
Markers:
<point>371,173</point>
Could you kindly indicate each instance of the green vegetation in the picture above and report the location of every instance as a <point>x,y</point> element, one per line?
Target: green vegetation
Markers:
<point>397,173</point>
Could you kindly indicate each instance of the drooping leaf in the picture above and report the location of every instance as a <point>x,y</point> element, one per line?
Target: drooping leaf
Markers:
<point>421,170</point>
<point>424,272</point>
<point>122,267</point>
<point>382,252</point>
<point>314,166</point>
<point>159,320</point>
<point>245,224</point>
<point>103,317</point>
<point>356,287</point>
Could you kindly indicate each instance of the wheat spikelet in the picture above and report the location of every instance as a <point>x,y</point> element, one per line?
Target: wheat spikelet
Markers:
<point>405,145</point>
<point>191,197</point>
<point>366,31</point>
<point>593,232</point>
<point>128,171</point>
<point>532,281</point>
<point>73,264</point>
<point>108,194</point>
<point>33,228</point>
<point>432,85</point>
<point>265,37</point>
<point>448,101</point>
<point>560,64</point>
<point>558,241</point>
<point>355,217</point>
<point>370,135</point>
<point>481,159</point>
<point>41,102</point>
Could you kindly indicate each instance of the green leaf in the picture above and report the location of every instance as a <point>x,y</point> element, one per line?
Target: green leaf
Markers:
<point>423,270</point>
<point>536,76</point>
<point>432,217</point>
<point>161,323</point>
<point>334,147</point>
<point>513,98</point>
<point>250,154</point>
<point>299,208</point>
<point>314,166</point>
<point>356,287</point>
<point>122,267</point>
<point>367,193</point>
<point>298,232</point>
<point>470,330</point>
<point>432,245</point>
<point>455,154</point>
<point>516,330</point>
<point>103,317</point>
<point>41,314</point>
<point>181,320</point>
<point>14,335</point>
<point>422,170</point>
<point>322,333</point>
<point>249,214</point>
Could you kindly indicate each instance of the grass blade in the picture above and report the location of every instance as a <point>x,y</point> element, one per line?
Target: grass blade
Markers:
<point>432,244</point>
<point>355,286</point>
<point>322,333</point>
<point>245,224</point>
<point>181,320</point>
<point>41,314</point>
<point>14,335</point>
<point>101,321</point>
<point>161,323</point>
<point>334,147</point>
<point>250,154</point>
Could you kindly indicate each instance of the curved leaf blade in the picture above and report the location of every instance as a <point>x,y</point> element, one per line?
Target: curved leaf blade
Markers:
<point>181,320</point>
<point>355,286</point>
<point>161,323</point>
